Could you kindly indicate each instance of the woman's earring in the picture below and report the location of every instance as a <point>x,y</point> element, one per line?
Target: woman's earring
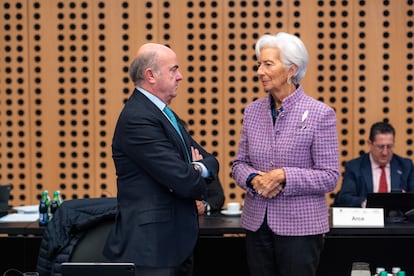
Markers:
<point>289,81</point>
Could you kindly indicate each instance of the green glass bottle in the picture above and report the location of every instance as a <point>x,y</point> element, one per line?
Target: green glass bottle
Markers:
<point>55,203</point>
<point>44,209</point>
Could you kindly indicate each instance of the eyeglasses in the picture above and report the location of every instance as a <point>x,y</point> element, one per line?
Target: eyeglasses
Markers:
<point>382,147</point>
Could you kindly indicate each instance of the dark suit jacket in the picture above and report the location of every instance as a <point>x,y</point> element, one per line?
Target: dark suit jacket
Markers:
<point>357,179</point>
<point>156,224</point>
<point>215,196</point>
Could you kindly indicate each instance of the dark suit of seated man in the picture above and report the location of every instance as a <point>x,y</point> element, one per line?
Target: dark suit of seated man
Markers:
<point>215,194</point>
<point>362,175</point>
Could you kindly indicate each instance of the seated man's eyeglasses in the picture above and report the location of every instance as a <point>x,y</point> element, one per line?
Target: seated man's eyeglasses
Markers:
<point>382,147</point>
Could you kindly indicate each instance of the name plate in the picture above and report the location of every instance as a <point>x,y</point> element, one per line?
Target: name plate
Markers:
<point>347,217</point>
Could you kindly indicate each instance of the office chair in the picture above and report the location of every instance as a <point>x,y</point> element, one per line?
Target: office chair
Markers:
<point>87,258</point>
<point>90,246</point>
<point>79,222</point>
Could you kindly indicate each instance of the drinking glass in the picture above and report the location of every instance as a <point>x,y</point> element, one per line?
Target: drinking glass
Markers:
<point>360,269</point>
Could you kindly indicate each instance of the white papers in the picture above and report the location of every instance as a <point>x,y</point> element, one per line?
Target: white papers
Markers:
<point>26,213</point>
<point>19,217</point>
<point>28,209</point>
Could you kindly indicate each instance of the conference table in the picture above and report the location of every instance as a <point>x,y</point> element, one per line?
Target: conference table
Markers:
<point>221,247</point>
<point>380,247</point>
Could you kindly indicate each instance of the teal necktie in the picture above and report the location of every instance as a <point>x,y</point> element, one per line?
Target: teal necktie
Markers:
<point>173,120</point>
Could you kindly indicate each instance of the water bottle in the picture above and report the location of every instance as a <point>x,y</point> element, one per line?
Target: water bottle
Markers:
<point>60,197</point>
<point>378,270</point>
<point>48,204</point>
<point>395,270</point>
<point>55,203</point>
<point>43,209</point>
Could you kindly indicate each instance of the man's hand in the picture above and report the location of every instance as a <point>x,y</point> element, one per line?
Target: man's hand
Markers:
<point>195,154</point>
<point>201,208</point>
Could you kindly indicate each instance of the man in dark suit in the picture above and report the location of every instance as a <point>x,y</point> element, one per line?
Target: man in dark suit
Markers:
<point>363,174</point>
<point>157,180</point>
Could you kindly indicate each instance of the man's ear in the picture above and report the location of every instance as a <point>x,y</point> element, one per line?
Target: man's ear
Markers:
<point>149,75</point>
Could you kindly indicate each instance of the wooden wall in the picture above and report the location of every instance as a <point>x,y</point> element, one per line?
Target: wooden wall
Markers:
<point>64,78</point>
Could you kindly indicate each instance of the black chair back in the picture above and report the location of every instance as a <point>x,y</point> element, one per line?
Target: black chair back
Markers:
<point>89,248</point>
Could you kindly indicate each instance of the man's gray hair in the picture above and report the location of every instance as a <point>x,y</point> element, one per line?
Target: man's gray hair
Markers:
<point>138,66</point>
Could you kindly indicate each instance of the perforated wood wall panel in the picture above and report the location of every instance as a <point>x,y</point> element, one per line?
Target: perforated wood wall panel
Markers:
<point>64,78</point>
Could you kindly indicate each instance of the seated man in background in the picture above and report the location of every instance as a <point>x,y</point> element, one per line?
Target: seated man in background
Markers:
<point>214,201</point>
<point>215,194</point>
<point>379,170</point>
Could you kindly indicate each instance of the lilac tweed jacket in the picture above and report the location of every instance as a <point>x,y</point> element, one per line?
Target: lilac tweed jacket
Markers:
<point>304,143</point>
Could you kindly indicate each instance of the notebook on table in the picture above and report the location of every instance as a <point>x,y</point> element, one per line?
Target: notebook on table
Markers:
<point>101,269</point>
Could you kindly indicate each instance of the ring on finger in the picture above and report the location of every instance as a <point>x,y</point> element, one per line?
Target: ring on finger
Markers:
<point>260,192</point>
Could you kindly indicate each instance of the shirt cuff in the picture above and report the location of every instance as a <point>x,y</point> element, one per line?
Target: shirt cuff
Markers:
<point>204,171</point>
<point>249,182</point>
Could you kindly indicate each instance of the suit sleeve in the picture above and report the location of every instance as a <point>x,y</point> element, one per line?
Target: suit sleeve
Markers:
<point>350,194</point>
<point>215,195</point>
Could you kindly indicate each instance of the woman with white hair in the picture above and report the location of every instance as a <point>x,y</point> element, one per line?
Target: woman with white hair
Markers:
<point>287,160</point>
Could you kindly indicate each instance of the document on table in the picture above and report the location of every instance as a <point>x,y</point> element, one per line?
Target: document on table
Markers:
<point>27,209</point>
<point>24,213</point>
<point>19,217</point>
